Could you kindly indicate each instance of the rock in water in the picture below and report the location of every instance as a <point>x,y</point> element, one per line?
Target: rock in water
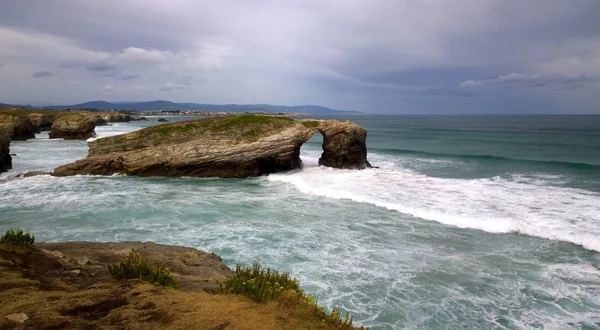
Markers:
<point>344,145</point>
<point>18,125</point>
<point>162,120</point>
<point>42,121</point>
<point>226,147</point>
<point>5,158</point>
<point>98,120</point>
<point>73,126</point>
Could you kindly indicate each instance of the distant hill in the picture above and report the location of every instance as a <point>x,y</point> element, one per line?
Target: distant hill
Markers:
<point>167,105</point>
<point>15,105</point>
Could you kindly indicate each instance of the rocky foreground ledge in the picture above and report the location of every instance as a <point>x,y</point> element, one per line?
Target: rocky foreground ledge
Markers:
<point>68,286</point>
<point>227,147</point>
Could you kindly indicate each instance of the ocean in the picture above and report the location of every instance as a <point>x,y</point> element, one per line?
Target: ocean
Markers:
<point>469,222</point>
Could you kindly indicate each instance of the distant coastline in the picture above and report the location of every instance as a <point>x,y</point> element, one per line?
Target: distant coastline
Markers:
<point>161,105</point>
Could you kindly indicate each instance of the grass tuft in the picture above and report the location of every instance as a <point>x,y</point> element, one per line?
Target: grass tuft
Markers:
<point>18,238</point>
<point>136,267</point>
<point>263,285</point>
<point>310,123</point>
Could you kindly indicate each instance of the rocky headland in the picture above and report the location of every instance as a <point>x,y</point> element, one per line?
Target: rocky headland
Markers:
<point>68,286</point>
<point>227,147</point>
<point>73,126</point>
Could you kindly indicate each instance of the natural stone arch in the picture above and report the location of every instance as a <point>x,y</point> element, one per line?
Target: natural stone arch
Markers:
<point>226,147</point>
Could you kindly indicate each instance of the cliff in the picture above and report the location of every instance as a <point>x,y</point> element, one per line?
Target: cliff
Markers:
<point>17,124</point>
<point>5,158</point>
<point>42,121</point>
<point>73,126</point>
<point>227,147</point>
<point>68,286</point>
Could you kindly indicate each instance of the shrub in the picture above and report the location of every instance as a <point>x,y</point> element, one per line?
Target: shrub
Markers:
<point>262,286</point>
<point>136,267</point>
<point>18,238</point>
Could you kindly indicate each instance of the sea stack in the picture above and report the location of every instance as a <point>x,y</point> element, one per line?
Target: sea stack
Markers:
<point>227,147</point>
<point>73,126</point>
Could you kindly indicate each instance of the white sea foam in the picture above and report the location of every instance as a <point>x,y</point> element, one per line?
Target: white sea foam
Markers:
<point>525,205</point>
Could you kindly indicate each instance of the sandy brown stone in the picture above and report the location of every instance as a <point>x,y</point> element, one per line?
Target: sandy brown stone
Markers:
<point>228,147</point>
<point>192,269</point>
<point>18,125</point>
<point>42,121</point>
<point>73,126</point>
<point>17,317</point>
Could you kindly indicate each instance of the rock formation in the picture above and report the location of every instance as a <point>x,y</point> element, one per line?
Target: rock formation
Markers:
<point>73,126</point>
<point>42,121</point>
<point>162,120</point>
<point>18,125</point>
<point>114,117</point>
<point>98,120</point>
<point>227,147</point>
<point>344,145</point>
<point>192,269</point>
<point>5,158</point>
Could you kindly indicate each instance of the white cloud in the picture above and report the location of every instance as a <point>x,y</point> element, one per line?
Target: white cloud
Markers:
<point>109,88</point>
<point>171,86</point>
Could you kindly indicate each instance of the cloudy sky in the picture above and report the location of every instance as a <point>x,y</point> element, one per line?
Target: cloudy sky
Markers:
<point>380,56</point>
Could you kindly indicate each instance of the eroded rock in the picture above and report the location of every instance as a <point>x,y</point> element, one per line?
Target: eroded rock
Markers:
<point>227,147</point>
<point>191,268</point>
<point>344,145</point>
<point>42,121</point>
<point>17,317</point>
<point>73,126</point>
<point>5,157</point>
<point>18,126</point>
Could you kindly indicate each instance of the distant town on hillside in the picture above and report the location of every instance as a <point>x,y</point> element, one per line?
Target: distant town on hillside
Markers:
<point>167,106</point>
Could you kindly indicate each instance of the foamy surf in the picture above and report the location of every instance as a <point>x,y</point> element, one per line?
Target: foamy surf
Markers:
<point>530,206</point>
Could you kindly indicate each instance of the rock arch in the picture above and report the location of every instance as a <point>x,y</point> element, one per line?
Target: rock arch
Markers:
<point>226,147</point>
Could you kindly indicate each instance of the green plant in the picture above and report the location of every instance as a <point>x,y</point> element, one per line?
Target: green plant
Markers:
<point>262,286</point>
<point>310,123</point>
<point>136,267</point>
<point>18,238</point>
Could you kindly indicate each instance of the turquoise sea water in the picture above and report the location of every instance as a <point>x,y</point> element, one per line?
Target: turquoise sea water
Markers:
<point>482,222</point>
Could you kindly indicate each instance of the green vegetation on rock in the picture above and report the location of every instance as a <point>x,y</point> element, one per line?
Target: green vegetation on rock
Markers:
<point>310,123</point>
<point>136,267</point>
<point>18,238</point>
<point>263,286</point>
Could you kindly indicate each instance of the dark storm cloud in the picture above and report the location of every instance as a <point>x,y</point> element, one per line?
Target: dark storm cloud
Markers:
<point>347,54</point>
<point>42,74</point>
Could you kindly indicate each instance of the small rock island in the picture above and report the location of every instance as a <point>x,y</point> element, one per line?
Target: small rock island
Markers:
<point>226,147</point>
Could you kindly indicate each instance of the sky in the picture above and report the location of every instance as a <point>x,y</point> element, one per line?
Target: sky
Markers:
<point>374,56</point>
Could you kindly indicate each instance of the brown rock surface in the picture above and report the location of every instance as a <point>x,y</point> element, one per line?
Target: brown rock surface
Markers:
<point>18,125</point>
<point>56,287</point>
<point>344,145</point>
<point>98,120</point>
<point>5,158</point>
<point>192,269</point>
<point>42,121</point>
<point>114,117</point>
<point>73,126</point>
<point>234,146</point>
